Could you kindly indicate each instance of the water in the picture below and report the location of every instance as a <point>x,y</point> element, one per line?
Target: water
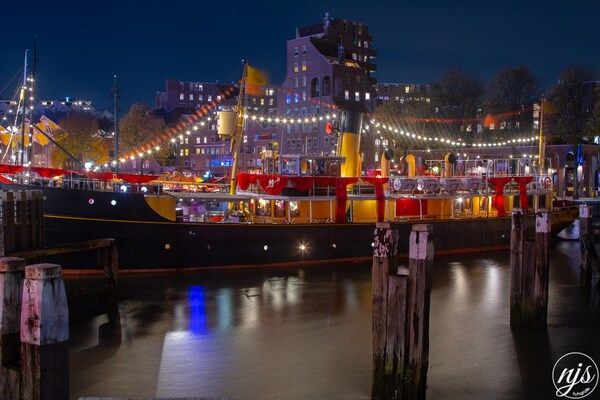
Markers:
<point>306,334</point>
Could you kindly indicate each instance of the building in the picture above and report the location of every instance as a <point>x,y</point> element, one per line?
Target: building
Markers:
<point>329,66</point>
<point>403,92</point>
<point>185,94</point>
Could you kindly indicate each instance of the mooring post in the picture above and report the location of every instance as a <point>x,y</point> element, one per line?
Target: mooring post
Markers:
<point>585,265</point>
<point>517,238</point>
<point>542,267</point>
<point>44,334</point>
<point>11,287</point>
<point>420,263</point>
<point>385,246</point>
<point>401,298</point>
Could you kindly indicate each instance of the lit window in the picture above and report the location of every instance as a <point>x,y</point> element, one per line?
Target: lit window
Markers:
<point>262,101</point>
<point>304,66</point>
<point>181,96</point>
<point>197,140</point>
<point>219,97</point>
<point>357,96</point>
<point>296,98</point>
<point>296,67</point>
<point>209,97</point>
<point>205,140</point>
<point>200,87</point>
<point>367,96</point>
<point>200,98</point>
<point>304,97</point>
<point>288,99</point>
<point>346,95</point>
<point>191,97</point>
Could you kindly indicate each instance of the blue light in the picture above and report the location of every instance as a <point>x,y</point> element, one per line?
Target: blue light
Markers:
<point>197,310</point>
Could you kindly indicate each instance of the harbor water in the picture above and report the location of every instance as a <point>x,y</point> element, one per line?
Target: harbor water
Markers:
<point>306,333</point>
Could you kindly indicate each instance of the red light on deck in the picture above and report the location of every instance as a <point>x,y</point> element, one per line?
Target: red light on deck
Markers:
<point>329,128</point>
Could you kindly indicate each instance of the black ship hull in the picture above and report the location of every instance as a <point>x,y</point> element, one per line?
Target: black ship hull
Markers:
<point>145,240</point>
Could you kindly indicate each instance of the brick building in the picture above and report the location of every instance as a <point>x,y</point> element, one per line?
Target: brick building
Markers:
<point>329,66</point>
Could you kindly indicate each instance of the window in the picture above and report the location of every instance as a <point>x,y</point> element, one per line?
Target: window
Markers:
<point>288,98</point>
<point>200,97</point>
<point>181,86</point>
<point>295,81</point>
<point>186,152</point>
<point>296,98</point>
<point>304,66</point>
<point>346,95</point>
<point>357,96</point>
<point>289,130</point>
<point>367,96</point>
<point>205,140</point>
<point>262,101</point>
<point>191,86</point>
<point>304,80</point>
<point>200,88</point>
<point>209,97</point>
<point>303,50</point>
<point>197,150</point>
<point>219,97</point>
<point>295,51</point>
<point>197,140</point>
<point>271,102</point>
<point>296,66</point>
<point>304,97</point>
<point>181,96</point>
<point>191,97</point>
<point>303,110</point>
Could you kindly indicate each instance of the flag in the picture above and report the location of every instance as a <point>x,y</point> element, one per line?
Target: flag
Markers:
<point>256,80</point>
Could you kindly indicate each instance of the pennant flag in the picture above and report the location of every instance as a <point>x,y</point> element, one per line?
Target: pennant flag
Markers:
<point>256,80</point>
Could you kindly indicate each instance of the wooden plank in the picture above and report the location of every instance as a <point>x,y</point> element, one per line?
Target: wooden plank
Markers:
<point>64,248</point>
<point>527,284</point>
<point>8,208</point>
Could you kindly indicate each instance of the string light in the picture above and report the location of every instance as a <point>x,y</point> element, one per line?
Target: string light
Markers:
<point>458,142</point>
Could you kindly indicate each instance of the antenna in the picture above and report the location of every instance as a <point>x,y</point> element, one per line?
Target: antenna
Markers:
<point>116,95</point>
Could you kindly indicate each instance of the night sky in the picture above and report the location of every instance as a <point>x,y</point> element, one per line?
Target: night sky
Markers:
<point>83,43</point>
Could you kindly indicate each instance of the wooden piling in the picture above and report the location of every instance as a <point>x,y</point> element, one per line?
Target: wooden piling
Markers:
<point>384,260</point>
<point>529,271</point>
<point>44,334</point>
<point>517,237</point>
<point>543,226</point>
<point>11,287</point>
<point>585,240</point>
<point>401,298</point>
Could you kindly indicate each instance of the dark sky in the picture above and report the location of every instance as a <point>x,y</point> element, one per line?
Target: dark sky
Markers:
<point>83,43</point>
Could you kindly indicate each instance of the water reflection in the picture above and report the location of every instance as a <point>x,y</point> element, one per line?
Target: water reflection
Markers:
<point>307,334</point>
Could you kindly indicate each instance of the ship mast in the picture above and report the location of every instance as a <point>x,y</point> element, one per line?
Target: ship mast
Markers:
<point>31,147</point>
<point>116,95</point>
<point>22,98</point>
<point>238,133</point>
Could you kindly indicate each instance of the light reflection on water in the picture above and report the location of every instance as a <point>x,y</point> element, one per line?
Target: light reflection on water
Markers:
<point>307,334</point>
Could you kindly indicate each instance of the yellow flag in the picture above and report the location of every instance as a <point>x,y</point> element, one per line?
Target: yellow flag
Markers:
<point>256,80</point>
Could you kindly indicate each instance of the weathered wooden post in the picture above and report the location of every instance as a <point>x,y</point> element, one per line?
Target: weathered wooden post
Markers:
<point>11,287</point>
<point>529,271</point>
<point>542,268</point>
<point>585,265</point>
<point>401,298</point>
<point>385,376</point>
<point>44,334</point>
<point>517,238</point>
<point>420,263</point>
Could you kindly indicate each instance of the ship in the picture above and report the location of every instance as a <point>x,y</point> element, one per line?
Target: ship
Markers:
<point>299,209</point>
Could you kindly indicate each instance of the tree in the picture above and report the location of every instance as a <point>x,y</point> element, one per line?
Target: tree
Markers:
<point>137,127</point>
<point>458,95</point>
<point>79,136</point>
<point>570,100</point>
<point>593,124</point>
<point>509,90</point>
